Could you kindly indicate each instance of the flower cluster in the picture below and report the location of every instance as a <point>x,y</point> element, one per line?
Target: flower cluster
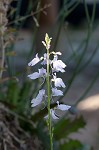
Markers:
<point>55,65</point>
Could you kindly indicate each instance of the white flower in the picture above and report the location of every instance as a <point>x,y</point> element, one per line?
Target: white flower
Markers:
<point>44,43</point>
<point>58,82</point>
<point>53,114</point>
<point>36,101</point>
<point>56,92</point>
<point>62,107</point>
<point>44,62</point>
<point>34,61</point>
<point>56,53</point>
<point>35,75</point>
<point>42,71</point>
<point>58,65</point>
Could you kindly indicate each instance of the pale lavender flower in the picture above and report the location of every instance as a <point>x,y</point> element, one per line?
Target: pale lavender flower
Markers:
<point>62,107</point>
<point>34,61</point>
<point>44,62</point>
<point>56,53</point>
<point>36,101</point>
<point>42,71</point>
<point>53,114</point>
<point>58,65</point>
<point>56,92</point>
<point>35,75</point>
<point>44,43</point>
<point>58,82</point>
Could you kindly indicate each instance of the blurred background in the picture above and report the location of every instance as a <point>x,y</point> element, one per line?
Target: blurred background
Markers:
<point>73,26</point>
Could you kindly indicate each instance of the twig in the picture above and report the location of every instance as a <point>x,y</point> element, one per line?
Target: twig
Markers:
<point>15,138</point>
<point>1,42</point>
<point>18,116</point>
<point>2,55</point>
<point>9,78</point>
<point>3,23</point>
<point>4,143</point>
<point>30,15</point>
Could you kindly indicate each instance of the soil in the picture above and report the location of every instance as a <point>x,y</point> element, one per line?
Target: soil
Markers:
<point>12,136</point>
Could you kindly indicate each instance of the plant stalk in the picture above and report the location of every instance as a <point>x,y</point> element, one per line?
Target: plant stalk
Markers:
<point>48,104</point>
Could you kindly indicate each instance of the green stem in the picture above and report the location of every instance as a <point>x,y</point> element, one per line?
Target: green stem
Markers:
<point>48,105</point>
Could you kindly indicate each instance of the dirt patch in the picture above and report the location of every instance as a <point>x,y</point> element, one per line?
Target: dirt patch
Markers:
<point>12,136</point>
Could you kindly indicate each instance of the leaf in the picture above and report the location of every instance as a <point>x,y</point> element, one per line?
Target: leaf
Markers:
<point>71,145</point>
<point>65,126</point>
<point>23,103</point>
<point>13,91</point>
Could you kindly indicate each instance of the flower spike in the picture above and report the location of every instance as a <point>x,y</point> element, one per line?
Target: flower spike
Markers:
<point>53,83</point>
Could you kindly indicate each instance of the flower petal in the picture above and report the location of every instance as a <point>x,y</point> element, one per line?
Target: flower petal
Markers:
<point>44,43</point>
<point>42,72</point>
<point>59,82</point>
<point>58,53</point>
<point>44,62</point>
<point>58,65</point>
<point>34,75</point>
<point>56,92</point>
<point>34,61</point>
<point>62,107</point>
<point>42,92</point>
<point>61,64</point>
<point>53,115</point>
<point>36,101</point>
